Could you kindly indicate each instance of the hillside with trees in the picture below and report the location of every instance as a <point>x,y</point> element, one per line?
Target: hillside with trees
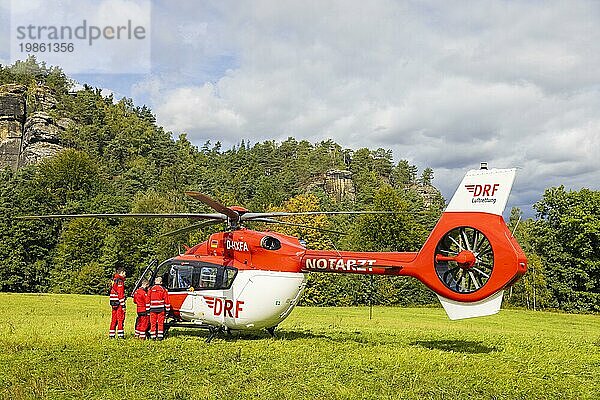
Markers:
<point>115,158</point>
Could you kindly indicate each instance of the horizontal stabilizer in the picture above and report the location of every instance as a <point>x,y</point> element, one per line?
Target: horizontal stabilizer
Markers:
<point>459,310</point>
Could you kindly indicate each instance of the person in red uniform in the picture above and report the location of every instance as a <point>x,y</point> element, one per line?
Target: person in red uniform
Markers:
<point>140,298</point>
<point>117,302</point>
<point>159,305</point>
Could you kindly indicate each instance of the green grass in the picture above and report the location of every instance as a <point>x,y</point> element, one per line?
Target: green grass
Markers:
<point>55,346</point>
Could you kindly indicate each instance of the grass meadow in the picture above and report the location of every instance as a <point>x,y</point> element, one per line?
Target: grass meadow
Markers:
<point>56,346</point>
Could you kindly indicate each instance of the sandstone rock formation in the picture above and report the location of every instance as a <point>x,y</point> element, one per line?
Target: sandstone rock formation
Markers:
<point>337,184</point>
<point>430,194</point>
<point>12,119</point>
<point>28,133</point>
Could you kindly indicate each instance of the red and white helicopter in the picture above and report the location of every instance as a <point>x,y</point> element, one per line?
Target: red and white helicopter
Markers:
<point>242,279</point>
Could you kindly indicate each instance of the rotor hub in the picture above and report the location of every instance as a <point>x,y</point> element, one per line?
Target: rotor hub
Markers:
<point>465,259</point>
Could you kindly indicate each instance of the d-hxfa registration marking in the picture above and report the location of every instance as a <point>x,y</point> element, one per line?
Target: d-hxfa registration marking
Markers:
<point>235,245</point>
<point>339,264</point>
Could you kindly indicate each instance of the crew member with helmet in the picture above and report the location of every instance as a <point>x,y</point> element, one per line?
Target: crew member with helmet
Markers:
<point>140,298</point>
<point>159,305</point>
<point>117,303</point>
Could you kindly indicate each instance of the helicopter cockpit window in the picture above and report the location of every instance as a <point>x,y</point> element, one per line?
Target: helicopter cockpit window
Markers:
<point>180,277</point>
<point>208,277</point>
<point>215,277</point>
<point>228,277</point>
<point>196,276</point>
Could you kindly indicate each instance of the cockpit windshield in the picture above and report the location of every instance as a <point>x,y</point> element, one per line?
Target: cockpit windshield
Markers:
<point>180,276</point>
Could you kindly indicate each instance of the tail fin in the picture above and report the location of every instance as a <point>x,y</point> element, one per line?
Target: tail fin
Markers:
<point>474,254</point>
<point>483,190</point>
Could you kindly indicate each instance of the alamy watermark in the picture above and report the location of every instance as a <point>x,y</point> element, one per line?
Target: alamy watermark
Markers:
<point>111,36</point>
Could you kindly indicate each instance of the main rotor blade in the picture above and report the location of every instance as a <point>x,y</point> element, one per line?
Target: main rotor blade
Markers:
<point>219,217</point>
<point>274,221</point>
<point>252,216</point>
<point>191,228</point>
<point>215,205</point>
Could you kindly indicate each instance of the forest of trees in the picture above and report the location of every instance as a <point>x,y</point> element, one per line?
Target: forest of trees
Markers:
<point>117,159</point>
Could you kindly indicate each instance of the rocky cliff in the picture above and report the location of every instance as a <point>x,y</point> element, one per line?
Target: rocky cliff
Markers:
<point>337,184</point>
<point>29,129</point>
<point>430,194</point>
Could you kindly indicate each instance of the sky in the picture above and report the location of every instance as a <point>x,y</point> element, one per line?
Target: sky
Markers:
<point>444,84</point>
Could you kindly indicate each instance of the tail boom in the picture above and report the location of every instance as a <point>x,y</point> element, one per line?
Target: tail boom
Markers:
<point>509,262</point>
<point>469,258</point>
<point>356,262</point>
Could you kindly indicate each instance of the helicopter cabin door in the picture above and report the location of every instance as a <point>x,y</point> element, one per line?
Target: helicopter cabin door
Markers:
<point>178,279</point>
<point>200,292</point>
<point>214,289</point>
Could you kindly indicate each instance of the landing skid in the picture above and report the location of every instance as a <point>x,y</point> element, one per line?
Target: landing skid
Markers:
<point>271,331</point>
<point>182,324</point>
<point>213,331</point>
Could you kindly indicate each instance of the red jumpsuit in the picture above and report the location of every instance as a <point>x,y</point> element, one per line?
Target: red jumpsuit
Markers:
<point>117,302</point>
<point>140,298</point>
<point>159,303</point>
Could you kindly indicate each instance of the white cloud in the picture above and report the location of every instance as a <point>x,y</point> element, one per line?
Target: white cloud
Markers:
<point>4,31</point>
<point>443,84</point>
<point>200,108</point>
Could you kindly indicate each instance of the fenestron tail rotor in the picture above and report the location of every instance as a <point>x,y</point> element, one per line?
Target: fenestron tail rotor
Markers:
<point>464,260</point>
